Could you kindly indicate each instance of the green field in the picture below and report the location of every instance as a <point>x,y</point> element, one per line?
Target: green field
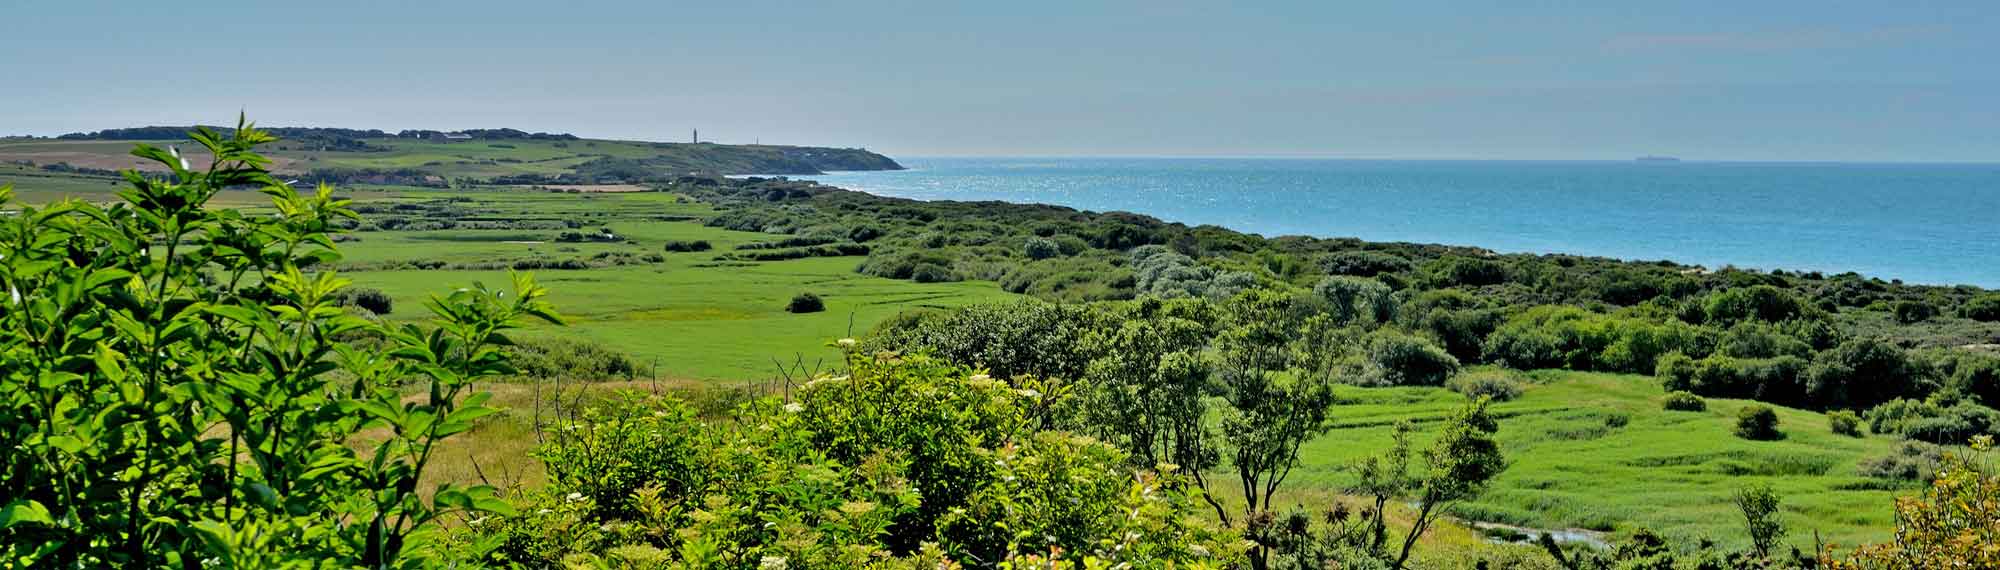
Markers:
<point>721,322</point>
<point>1674,472</point>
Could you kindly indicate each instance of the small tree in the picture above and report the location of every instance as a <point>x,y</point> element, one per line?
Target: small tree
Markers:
<point>1758,422</point>
<point>1278,390</point>
<point>1457,467</point>
<point>1759,506</point>
<point>1382,478</point>
<point>805,303</point>
<point>1150,383</point>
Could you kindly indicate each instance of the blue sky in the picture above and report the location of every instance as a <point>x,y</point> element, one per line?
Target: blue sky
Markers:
<point>1525,79</point>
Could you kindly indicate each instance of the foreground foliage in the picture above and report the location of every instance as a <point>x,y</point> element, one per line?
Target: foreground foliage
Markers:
<point>180,390</point>
<point>902,462</point>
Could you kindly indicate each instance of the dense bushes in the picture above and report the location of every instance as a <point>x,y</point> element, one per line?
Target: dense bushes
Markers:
<point>805,303</point>
<point>835,250</point>
<point>1776,380</point>
<point>1041,248</point>
<point>1984,308</point>
<point>1907,311</point>
<point>1457,271</point>
<point>686,246</point>
<point>835,479</point>
<point>1026,338</point>
<point>1844,422</point>
<point>790,242</point>
<point>1864,372</point>
<point>374,300</point>
<point>1498,385</point>
<point>1555,336</point>
<point>921,266</point>
<point>1164,272</point>
<point>1758,422</point>
<point>568,358</point>
<point>1973,375</point>
<point>1955,423</point>
<point>1762,302</point>
<point>1856,374</point>
<point>1364,263</point>
<point>1351,298</point>
<point>1398,359</point>
<point>1910,461</point>
<point>1682,401</point>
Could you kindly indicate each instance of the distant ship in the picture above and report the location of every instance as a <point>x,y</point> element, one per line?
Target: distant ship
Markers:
<point>1657,159</point>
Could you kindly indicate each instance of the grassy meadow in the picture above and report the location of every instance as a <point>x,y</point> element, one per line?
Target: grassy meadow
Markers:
<point>1595,452</point>
<point>698,319</point>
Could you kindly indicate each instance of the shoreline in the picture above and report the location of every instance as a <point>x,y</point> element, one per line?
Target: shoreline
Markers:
<point>1568,249</point>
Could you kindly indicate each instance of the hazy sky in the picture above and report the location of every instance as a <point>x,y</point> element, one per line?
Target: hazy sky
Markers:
<point>1757,80</point>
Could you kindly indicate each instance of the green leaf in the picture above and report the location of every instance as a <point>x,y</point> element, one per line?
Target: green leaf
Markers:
<point>103,277</point>
<point>21,511</point>
<point>219,538</point>
<point>107,363</point>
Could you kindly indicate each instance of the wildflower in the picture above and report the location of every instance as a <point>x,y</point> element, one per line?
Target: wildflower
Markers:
<point>795,407</point>
<point>845,343</point>
<point>1029,394</point>
<point>773,563</point>
<point>575,496</point>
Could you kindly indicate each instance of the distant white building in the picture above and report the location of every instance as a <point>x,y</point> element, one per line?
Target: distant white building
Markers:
<point>457,137</point>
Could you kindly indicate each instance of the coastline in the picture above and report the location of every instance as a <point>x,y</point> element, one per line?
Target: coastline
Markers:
<point>1618,227</point>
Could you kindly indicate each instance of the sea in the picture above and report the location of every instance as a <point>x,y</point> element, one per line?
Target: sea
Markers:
<point>1920,223</point>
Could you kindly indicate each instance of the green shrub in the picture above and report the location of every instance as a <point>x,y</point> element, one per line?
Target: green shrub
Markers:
<point>1984,308</point>
<point>1364,263</point>
<point>1758,422</point>
<point>1844,422</point>
<point>1679,401</point>
<point>1863,372</point>
<point>685,246</point>
<point>1774,380</point>
<point>1398,359</point>
<point>805,303</point>
<point>1041,248</point>
<point>1976,375</point>
<point>831,478</point>
<point>1908,312</point>
<point>538,357</point>
<point>1498,385</point>
<point>1454,271</point>
<point>374,300</point>
<point>932,273</point>
<point>1761,302</point>
<point>1554,336</point>
<point>1910,461</point>
<point>1356,298</point>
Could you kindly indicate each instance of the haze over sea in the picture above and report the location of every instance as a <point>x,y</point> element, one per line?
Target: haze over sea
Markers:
<point>1924,223</point>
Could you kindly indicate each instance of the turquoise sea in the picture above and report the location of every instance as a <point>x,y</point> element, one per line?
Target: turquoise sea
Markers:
<point>1924,223</point>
